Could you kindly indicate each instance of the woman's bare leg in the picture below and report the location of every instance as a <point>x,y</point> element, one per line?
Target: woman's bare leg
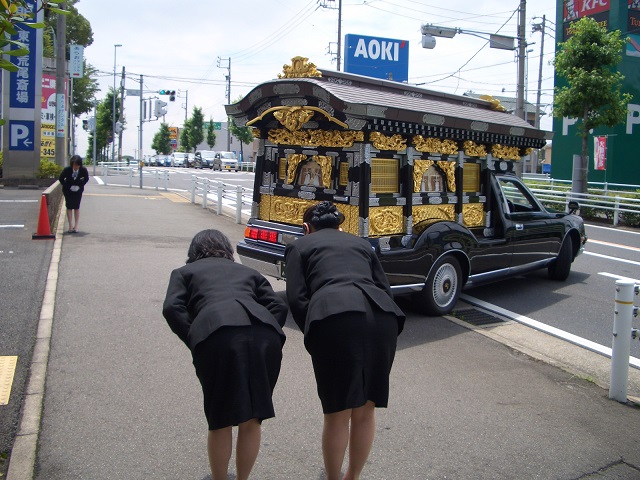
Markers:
<point>335,438</point>
<point>247,447</point>
<point>69,218</point>
<point>363,429</point>
<point>76,214</point>
<point>219,450</point>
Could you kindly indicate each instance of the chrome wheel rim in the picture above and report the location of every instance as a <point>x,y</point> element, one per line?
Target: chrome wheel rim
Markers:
<point>445,285</point>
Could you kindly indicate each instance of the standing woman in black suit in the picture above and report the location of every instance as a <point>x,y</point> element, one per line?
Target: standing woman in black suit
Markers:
<point>341,299</point>
<point>73,179</point>
<point>231,320</point>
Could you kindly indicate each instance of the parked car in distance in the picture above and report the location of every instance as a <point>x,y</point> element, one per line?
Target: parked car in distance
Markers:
<point>177,159</point>
<point>206,158</point>
<point>225,161</point>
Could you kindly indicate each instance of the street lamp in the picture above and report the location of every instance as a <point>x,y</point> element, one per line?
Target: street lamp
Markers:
<point>113,119</point>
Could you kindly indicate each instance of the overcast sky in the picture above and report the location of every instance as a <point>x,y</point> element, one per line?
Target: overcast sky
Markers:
<point>177,45</point>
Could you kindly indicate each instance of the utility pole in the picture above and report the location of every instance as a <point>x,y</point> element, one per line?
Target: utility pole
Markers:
<point>522,46</point>
<point>140,155</point>
<point>540,27</point>
<point>61,78</point>
<point>323,4</point>
<point>228,78</point>
<point>121,115</point>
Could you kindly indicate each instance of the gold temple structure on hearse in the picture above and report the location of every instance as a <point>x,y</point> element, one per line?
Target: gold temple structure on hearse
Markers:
<point>390,155</point>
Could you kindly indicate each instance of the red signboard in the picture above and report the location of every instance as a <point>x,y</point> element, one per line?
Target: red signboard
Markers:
<point>600,153</point>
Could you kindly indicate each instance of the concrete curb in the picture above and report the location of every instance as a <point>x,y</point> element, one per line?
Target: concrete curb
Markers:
<point>23,453</point>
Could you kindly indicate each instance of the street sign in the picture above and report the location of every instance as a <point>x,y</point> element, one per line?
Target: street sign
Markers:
<point>21,134</point>
<point>133,92</point>
<point>217,125</point>
<point>76,54</point>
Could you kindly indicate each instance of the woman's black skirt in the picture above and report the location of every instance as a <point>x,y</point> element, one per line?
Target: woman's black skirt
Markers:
<point>352,355</point>
<point>238,368</point>
<point>72,200</point>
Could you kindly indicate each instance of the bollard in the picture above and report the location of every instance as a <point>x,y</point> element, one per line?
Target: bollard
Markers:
<point>205,192</point>
<point>621,346</point>
<point>193,189</point>
<point>220,193</point>
<point>166,180</point>
<point>130,177</point>
<point>616,212</point>
<point>238,204</point>
<point>155,179</point>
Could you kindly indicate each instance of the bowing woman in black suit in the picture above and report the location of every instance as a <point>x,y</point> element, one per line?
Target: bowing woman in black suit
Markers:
<point>340,298</point>
<point>231,320</point>
<point>73,179</point>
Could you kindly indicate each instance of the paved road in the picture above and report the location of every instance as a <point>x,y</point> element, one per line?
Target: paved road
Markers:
<point>122,400</point>
<point>23,271</point>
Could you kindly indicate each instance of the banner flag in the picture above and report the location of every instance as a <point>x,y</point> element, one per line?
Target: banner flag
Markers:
<point>600,153</point>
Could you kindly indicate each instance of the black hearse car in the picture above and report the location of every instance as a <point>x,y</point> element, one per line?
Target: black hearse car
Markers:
<point>428,178</point>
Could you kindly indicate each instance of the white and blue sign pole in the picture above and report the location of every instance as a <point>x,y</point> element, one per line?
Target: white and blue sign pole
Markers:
<point>22,101</point>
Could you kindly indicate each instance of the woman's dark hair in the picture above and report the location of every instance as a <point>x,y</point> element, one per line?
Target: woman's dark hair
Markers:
<point>323,215</point>
<point>76,160</point>
<point>209,243</point>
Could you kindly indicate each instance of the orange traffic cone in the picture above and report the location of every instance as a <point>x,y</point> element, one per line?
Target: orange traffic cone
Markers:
<point>44,228</point>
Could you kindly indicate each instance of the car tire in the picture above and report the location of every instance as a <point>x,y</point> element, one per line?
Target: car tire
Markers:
<point>561,266</point>
<point>441,289</point>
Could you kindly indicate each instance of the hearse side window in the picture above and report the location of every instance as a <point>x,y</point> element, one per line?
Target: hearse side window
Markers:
<point>384,175</point>
<point>518,199</point>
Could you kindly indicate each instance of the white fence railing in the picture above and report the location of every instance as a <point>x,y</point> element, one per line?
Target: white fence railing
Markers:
<point>160,177</point>
<point>235,196</point>
<point>558,193</point>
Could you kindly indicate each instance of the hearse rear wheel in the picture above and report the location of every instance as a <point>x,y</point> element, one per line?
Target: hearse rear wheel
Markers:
<point>442,288</point>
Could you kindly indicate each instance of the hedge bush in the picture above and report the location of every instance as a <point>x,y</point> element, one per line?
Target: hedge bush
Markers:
<point>49,169</point>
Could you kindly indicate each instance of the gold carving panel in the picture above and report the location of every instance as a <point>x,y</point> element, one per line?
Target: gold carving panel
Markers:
<point>315,138</point>
<point>473,214</point>
<point>435,145</point>
<point>385,221</point>
<point>471,177</point>
<point>287,209</point>
<point>384,175</point>
<point>294,118</point>
<point>421,213</point>
<point>504,152</point>
<point>384,142</point>
<point>293,161</point>
<point>472,149</point>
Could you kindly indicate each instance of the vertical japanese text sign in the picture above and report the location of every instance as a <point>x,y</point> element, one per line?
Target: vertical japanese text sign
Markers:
<point>76,53</point>
<point>600,153</point>
<point>23,102</point>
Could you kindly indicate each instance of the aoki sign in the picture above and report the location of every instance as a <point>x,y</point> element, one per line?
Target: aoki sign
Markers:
<point>377,57</point>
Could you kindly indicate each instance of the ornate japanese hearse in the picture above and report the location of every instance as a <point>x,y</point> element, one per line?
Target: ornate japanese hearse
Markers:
<point>427,177</point>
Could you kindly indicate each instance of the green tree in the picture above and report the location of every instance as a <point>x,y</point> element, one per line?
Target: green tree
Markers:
<point>196,128</point>
<point>162,140</point>
<point>211,134</point>
<point>587,62</point>
<point>243,134</point>
<point>78,28</point>
<point>104,126</point>
<point>84,91</point>
<point>185,136</point>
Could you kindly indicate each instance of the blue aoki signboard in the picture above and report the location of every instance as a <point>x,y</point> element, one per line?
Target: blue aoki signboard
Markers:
<point>377,57</point>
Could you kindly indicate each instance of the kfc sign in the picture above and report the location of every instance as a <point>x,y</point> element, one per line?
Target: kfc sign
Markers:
<point>575,9</point>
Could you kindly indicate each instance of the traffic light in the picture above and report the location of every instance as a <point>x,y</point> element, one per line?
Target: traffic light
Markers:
<point>171,93</point>
<point>158,108</point>
<point>85,124</point>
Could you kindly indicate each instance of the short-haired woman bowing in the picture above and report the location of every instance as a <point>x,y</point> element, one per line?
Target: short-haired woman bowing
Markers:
<point>231,320</point>
<point>341,299</point>
<point>73,179</point>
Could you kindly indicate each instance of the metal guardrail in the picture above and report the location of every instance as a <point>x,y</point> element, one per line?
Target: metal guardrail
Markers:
<point>236,195</point>
<point>558,192</point>
<point>123,168</point>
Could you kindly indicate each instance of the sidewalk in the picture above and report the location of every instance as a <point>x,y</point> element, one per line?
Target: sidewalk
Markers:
<point>122,400</point>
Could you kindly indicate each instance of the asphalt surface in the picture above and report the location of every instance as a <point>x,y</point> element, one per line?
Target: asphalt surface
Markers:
<point>122,400</point>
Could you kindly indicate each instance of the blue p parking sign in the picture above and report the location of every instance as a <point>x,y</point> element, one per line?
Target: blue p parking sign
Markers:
<point>21,134</point>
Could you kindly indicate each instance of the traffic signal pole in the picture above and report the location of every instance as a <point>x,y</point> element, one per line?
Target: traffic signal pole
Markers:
<point>140,155</point>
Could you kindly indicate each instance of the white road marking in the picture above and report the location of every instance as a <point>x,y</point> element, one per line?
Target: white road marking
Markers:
<point>98,180</point>
<point>608,257</point>
<point>543,327</point>
<point>618,277</point>
<point>11,226</point>
<point>19,201</point>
